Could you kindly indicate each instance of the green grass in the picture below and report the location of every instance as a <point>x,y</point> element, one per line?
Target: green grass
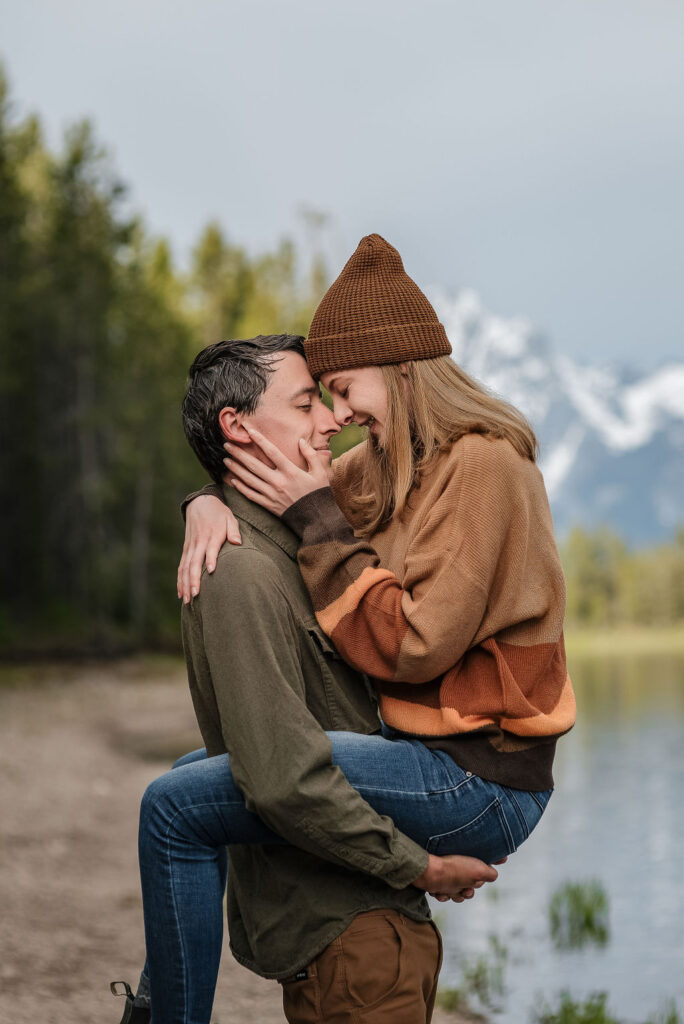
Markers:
<point>579,915</point>
<point>455,1000</point>
<point>667,1015</point>
<point>592,1011</point>
<point>151,667</point>
<point>624,641</point>
<point>482,984</point>
<point>570,1011</point>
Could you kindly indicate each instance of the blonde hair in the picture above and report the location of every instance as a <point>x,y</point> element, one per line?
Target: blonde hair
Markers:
<point>430,405</point>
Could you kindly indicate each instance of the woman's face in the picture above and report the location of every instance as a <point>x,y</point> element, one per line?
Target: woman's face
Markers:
<point>359,396</point>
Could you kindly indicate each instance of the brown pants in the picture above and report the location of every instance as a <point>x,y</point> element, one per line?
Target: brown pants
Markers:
<point>382,970</point>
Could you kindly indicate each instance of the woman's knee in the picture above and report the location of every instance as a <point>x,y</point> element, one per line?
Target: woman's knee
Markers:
<point>185,798</point>
<point>158,802</point>
<point>194,755</point>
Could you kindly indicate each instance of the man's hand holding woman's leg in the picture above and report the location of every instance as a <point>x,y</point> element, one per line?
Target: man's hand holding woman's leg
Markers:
<point>455,878</point>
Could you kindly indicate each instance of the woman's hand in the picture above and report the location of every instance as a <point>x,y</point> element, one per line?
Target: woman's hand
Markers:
<point>208,525</point>
<point>275,488</point>
<point>455,877</point>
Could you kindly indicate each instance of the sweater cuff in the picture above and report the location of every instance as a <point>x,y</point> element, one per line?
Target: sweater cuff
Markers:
<point>317,518</point>
<point>214,490</point>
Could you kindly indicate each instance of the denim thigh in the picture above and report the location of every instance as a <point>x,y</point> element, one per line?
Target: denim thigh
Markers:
<point>440,805</point>
<point>430,798</point>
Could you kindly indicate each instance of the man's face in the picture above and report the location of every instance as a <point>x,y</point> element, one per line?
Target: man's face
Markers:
<point>291,408</point>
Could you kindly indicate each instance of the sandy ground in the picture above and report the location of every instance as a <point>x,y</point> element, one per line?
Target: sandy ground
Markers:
<point>78,745</point>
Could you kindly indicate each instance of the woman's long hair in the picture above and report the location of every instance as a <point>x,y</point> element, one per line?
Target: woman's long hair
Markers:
<point>429,406</point>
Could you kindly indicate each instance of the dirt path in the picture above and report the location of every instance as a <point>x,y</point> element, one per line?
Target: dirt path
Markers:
<point>78,746</point>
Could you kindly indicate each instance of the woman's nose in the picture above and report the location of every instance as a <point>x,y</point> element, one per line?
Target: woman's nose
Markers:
<point>329,424</point>
<point>342,412</point>
<point>325,421</point>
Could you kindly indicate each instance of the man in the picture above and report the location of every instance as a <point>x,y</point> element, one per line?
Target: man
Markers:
<point>337,913</point>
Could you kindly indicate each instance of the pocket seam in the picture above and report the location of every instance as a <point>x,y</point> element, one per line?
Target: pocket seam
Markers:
<point>542,806</point>
<point>322,640</point>
<point>292,988</point>
<point>464,829</point>
<point>524,824</point>
<point>360,1005</point>
<point>451,789</point>
<point>322,655</point>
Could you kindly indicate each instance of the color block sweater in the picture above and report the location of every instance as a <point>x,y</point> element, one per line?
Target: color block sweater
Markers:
<point>455,609</point>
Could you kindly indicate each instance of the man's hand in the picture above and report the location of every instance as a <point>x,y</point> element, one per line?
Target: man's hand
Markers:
<point>208,525</point>
<point>455,878</point>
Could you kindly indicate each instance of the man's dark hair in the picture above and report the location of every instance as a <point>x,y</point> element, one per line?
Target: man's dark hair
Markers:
<point>229,373</point>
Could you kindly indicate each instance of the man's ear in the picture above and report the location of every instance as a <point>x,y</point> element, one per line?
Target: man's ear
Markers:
<point>231,425</point>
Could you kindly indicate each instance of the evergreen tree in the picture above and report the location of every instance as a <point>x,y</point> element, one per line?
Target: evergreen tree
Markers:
<point>97,331</point>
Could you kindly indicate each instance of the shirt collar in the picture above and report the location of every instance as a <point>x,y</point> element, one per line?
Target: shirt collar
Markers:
<point>262,520</point>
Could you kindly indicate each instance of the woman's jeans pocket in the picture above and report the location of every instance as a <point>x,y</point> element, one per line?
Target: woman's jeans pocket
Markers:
<point>498,829</point>
<point>486,836</point>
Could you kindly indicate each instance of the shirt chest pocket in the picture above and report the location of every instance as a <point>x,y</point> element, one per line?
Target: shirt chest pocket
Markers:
<point>349,698</point>
<point>323,643</point>
<point>321,684</point>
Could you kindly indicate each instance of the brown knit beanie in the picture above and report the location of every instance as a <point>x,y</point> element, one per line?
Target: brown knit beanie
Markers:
<point>373,314</point>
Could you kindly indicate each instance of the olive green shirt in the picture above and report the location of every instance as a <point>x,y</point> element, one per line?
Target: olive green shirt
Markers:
<point>266,682</point>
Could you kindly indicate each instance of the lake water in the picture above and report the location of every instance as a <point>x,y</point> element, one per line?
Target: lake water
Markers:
<point>618,816</point>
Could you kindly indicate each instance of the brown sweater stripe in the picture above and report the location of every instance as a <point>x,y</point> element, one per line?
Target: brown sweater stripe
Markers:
<point>470,697</point>
<point>369,650</point>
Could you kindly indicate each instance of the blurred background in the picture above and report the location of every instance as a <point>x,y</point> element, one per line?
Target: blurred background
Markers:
<point>171,174</point>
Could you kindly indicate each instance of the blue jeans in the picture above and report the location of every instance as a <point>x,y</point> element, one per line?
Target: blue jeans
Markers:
<point>191,813</point>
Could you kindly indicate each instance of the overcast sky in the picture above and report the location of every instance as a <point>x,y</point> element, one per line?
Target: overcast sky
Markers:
<point>533,151</point>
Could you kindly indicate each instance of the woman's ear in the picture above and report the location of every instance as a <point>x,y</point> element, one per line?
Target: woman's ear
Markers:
<point>403,369</point>
<point>231,425</point>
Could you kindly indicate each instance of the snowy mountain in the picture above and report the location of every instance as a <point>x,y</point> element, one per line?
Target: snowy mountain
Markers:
<point>612,442</point>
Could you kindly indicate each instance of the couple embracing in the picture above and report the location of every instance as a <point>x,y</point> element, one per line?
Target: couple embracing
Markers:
<point>375,658</point>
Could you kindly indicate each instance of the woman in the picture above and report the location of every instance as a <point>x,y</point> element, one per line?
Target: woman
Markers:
<point>448,592</point>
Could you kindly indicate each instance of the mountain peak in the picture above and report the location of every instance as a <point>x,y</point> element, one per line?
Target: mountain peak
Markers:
<point>612,439</point>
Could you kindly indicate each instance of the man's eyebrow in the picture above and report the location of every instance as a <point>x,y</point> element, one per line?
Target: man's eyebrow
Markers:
<point>312,390</point>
